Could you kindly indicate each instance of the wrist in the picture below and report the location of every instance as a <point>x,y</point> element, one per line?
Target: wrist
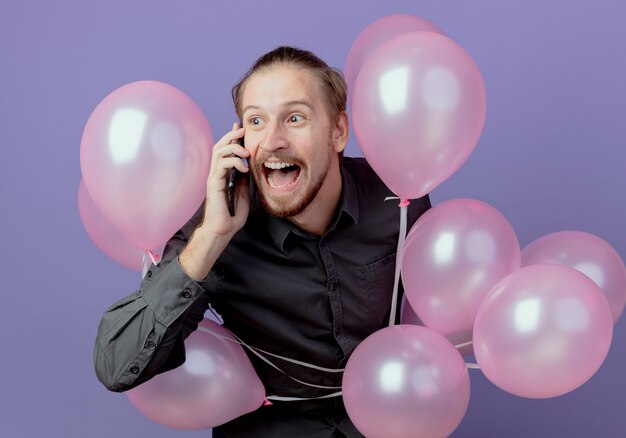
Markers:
<point>201,252</point>
<point>212,237</point>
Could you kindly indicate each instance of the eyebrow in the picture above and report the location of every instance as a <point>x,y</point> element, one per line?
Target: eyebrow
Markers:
<point>286,105</point>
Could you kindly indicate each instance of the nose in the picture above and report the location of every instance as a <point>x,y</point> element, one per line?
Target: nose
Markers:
<point>275,138</point>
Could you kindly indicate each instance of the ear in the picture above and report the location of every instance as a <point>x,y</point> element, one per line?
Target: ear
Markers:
<point>340,132</point>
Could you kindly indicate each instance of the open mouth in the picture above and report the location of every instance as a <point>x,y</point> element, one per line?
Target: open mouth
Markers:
<point>281,175</point>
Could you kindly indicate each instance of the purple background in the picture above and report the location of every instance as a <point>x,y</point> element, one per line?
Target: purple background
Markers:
<point>550,158</point>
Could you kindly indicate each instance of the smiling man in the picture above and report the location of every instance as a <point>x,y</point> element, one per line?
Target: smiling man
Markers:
<point>294,143</point>
<point>303,269</point>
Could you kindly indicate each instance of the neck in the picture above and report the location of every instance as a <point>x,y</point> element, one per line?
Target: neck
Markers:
<point>317,217</point>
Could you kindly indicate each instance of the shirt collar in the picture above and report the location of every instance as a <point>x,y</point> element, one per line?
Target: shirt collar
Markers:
<point>349,196</point>
<point>279,228</point>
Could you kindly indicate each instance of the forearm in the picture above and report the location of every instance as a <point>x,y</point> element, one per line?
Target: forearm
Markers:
<point>201,253</point>
<point>217,226</point>
<point>143,334</point>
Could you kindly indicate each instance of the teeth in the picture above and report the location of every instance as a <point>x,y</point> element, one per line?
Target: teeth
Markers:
<point>276,166</point>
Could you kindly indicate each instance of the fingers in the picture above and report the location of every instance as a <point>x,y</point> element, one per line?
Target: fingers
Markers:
<point>235,162</point>
<point>229,150</point>
<point>231,136</point>
<point>226,149</point>
<point>227,154</point>
<point>228,145</point>
<point>227,157</point>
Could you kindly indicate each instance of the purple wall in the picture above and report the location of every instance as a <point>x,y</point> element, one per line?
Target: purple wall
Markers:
<point>551,158</point>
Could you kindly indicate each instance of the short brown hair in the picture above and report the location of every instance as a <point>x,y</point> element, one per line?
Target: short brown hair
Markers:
<point>333,82</point>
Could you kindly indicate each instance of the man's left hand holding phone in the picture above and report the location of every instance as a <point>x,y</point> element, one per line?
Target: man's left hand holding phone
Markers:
<point>219,226</point>
<point>234,183</point>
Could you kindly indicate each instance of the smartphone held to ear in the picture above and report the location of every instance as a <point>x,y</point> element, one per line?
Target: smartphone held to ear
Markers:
<point>233,179</point>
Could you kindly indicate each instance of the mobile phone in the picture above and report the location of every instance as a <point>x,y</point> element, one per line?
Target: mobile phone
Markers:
<point>233,178</point>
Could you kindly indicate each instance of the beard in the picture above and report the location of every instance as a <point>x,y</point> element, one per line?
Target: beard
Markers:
<point>285,206</point>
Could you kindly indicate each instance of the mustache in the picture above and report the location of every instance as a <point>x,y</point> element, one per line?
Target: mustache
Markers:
<point>283,157</point>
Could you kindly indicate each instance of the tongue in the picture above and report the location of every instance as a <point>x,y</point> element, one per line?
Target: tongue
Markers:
<point>281,178</point>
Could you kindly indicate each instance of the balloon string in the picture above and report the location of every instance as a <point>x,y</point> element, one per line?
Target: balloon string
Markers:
<point>256,352</point>
<point>153,256</point>
<point>464,344</point>
<point>275,397</point>
<point>294,361</point>
<point>217,316</point>
<point>404,202</point>
<point>280,398</point>
<point>297,362</point>
<point>145,263</point>
<point>301,363</point>
<point>267,361</point>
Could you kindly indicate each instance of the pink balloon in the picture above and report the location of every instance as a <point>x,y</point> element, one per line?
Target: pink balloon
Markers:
<point>104,235</point>
<point>406,381</point>
<point>453,255</point>
<point>378,33</point>
<point>542,331</point>
<point>418,110</point>
<point>460,341</point>
<point>407,314</point>
<point>215,385</point>
<point>145,155</point>
<point>588,254</point>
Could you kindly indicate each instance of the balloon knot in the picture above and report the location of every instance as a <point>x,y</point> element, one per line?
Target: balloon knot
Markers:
<point>266,402</point>
<point>404,202</point>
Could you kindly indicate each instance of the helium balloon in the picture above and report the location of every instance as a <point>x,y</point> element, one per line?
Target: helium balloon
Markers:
<point>104,235</point>
<point>542,331</point>
<point>418,110</point>
<point>588,254</point>
<point>215,384</point>
<point>406,381</point>
<point>461,341</point>
<point>378,33</point>
<point>453,255</point>
<point>407,314</point>
<point>145,156</point>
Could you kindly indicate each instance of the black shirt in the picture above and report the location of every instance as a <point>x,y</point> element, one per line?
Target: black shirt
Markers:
<point>307,297</point>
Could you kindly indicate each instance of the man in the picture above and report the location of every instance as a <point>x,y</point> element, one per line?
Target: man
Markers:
<point>304,269</point>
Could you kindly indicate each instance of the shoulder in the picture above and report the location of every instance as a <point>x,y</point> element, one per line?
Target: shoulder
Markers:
<point>371,190</point>
<point>365,192</point>
<point>367,183</point>
<point>357,165</point>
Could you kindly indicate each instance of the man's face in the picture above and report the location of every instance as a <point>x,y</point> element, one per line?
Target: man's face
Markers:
<point>289,136</point>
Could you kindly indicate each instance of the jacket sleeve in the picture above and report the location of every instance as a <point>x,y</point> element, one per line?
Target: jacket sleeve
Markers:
<point>143,334</point>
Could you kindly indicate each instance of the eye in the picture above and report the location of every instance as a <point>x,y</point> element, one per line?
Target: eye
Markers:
<point>295,118</point>
<point>256,120</point>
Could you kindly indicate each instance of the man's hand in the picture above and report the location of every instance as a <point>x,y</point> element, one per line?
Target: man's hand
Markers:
<point>227,154</point>
<point>218,227</point>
